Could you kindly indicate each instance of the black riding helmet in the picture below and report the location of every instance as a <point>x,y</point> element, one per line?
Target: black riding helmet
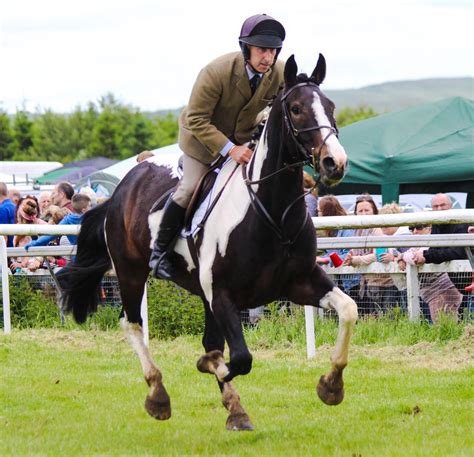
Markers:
<point>263,31</point>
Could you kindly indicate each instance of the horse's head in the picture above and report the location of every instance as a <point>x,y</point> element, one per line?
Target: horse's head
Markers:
<point>309,119</point>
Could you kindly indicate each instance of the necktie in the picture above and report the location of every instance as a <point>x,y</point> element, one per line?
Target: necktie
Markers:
<point>254,81</point>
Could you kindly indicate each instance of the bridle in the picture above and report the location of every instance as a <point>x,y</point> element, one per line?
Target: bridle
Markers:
<point>294,133</point>
<point>302,158</point>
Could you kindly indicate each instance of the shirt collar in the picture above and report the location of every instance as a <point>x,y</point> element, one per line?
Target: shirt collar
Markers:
<point>251,73</point>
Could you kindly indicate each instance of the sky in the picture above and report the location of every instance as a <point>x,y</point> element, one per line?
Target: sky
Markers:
<point>58,55</point>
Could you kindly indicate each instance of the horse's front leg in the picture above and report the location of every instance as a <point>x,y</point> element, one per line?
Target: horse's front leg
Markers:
<point>157,402</point>
<point>331,386</point>
<point>319,290</point>
<point>213,362</point>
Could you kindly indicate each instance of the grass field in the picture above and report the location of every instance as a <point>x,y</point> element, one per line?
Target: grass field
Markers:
<point>81,393</point>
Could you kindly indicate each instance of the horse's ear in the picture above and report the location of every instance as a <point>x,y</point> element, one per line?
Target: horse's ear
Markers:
<point>290,71</point>
<point>319,73</point>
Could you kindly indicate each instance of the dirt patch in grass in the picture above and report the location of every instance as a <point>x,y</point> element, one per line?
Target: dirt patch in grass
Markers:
<point>454,355</point>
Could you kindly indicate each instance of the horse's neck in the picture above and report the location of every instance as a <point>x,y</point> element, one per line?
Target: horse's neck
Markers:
<point>279,191</point>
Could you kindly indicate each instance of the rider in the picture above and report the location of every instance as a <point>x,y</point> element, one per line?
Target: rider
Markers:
<point>227,97</point>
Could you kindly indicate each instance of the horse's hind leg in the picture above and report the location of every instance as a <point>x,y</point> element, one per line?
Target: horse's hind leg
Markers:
<point>318,290</point>
<point>157,402</point>
<point>213,362</point>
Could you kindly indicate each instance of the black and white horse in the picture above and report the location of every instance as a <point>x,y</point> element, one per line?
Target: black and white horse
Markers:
<point>257,244</point>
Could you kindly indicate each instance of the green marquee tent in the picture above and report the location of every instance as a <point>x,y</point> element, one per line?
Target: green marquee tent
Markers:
<point>424,149</point>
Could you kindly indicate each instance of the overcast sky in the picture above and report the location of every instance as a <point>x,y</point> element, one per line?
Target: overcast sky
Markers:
<point>59,54</point>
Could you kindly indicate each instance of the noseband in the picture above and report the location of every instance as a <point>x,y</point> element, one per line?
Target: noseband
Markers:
<point>294,133</point>
<point>303,157</point>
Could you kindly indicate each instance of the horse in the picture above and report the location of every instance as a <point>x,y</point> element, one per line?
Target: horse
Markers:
<point>257,244</point>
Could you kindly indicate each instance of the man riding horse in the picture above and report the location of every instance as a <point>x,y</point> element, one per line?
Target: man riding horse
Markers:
<point>220,118</point>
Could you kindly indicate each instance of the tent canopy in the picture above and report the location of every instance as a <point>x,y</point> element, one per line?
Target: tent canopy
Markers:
<point>423,149</point>
<point>74,171</point>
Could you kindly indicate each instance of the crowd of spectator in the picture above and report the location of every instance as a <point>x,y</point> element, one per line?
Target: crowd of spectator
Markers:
<point>377,293</point>
<point>439,292</point>
<point>61,206</point>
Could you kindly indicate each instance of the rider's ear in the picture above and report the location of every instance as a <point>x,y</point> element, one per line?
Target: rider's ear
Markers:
<point>319,72</point>
<point>290,71</point>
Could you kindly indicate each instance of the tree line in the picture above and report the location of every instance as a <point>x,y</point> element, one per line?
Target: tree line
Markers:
<point>107,128</point>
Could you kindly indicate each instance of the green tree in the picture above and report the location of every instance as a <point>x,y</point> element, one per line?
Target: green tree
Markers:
<point>142,133</point>
<point>6,137</point>
<point>22,137</point>
<point>81,127</point>
<point>51,137</point>
<point>165,130</point>
<point>350,115</point>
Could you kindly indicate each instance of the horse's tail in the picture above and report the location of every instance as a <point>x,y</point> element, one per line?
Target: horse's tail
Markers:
<point>80,280</point>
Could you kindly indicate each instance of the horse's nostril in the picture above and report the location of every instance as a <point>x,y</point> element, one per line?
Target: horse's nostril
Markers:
<point>329,164</point>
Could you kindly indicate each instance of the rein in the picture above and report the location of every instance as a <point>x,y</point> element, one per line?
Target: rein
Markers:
<point>294,134</point>
<point>261,211</point>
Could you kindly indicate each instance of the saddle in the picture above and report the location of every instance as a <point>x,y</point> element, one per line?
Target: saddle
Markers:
<point>202,190</point>
<point>205,185</point>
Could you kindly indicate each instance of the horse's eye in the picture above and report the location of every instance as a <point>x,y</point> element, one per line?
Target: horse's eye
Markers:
<point>295,109</point>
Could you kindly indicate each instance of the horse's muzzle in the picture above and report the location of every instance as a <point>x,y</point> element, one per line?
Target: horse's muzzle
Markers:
<point>331,172</point>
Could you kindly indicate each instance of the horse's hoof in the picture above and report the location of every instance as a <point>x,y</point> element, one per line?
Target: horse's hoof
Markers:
<point>213,363</point>
<point>331,392</point>
<point>158,407</point>
<point>239,422</point>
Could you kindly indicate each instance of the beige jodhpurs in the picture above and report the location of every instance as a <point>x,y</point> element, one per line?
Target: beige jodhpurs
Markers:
<point>193,170</point>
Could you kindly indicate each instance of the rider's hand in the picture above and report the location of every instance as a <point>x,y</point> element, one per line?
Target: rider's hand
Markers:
<point>241,154</point>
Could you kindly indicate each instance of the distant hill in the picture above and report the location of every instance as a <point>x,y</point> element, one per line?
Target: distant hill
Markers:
<point>393,96</point>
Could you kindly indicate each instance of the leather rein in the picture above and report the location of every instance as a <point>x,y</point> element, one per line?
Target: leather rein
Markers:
<point>294,133</point>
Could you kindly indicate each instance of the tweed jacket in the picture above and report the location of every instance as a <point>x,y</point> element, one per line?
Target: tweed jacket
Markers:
<point>221,106</point>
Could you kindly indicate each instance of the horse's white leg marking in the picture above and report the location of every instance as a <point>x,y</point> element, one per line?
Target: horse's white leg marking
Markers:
<point>157,402</point>
<point>335,148</point>
<point>135,337</point>
<point>346,309</point>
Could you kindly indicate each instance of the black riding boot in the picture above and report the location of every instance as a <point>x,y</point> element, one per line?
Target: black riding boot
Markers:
<point>171,224</point>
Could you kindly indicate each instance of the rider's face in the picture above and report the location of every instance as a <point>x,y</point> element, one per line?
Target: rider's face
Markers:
<point>261,59</point>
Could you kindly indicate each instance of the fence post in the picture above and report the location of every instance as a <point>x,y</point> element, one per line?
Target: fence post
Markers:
<point>5,286</point>
<point>413,293</point>
<point>310,340</point>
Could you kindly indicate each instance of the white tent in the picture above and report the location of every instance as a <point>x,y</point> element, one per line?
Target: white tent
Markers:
<point>23,172</point>
<point>105,181</point>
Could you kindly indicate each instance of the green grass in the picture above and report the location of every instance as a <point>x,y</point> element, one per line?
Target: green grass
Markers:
<point>81,393</point>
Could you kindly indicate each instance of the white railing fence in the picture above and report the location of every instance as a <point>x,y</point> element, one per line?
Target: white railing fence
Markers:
<point>435,217</point>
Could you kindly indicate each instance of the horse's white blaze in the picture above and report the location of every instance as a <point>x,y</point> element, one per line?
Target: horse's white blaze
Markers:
<point>229,211</point>
<point>346,309</point>
<point>335,148</point>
